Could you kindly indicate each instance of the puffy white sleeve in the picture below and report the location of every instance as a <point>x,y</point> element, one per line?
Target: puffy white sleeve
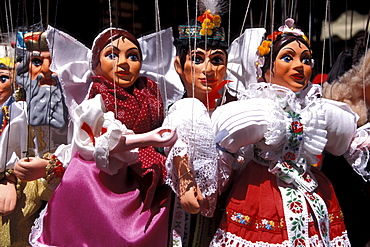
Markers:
<point>341,123</point>
<point>240,123</point>
<point>14,137</point>
<point>96,133</point>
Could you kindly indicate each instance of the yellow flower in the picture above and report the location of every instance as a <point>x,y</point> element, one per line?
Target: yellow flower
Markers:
<point>264,48</point>
<point>207,27</point>
<point>217,20</point>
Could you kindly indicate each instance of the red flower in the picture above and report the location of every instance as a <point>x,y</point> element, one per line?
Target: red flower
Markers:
<point>311,197</point>
<point>296,207</point>
<point>299,242</point>
<point>297,127</point>
<point>206,15</point>
<point>307,177</point>
<point>287,165</point>
<point>289,156</point>
<point>274,35</point>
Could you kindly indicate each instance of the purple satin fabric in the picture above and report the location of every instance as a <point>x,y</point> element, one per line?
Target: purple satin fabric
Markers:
<point>91,208</point>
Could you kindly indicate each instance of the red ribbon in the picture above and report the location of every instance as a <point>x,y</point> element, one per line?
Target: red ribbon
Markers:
<point>214,94</point>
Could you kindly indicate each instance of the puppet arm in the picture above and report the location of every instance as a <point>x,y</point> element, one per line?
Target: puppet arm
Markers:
<point>8,194</point>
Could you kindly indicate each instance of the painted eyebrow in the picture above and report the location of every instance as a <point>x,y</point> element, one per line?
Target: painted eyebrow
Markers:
<point>133,48</point>
<point>197,52</point>
<point>117,49</point>
<point>216,52</point>
<point>288,48</point>
<point>111,46</point>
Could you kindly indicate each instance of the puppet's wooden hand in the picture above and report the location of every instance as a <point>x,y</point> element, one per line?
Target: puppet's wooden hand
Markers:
<point>8,195</point>
<point>29,169</point>
<point>191,199</point>
<point>189,193</point>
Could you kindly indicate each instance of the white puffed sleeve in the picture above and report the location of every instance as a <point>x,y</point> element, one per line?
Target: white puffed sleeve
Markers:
<point>240,123</point>
<point>97,132</point>
<point>341,124</point>
<point>14,137</point>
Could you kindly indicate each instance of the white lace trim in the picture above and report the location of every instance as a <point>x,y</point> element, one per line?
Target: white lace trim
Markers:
<point>358,154</point>
<point>36,230</point>
<point>306,104</point>
<point>195,139</point>
<point>223,239</point>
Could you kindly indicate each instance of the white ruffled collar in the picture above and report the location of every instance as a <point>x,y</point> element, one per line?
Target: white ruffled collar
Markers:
<point>286,97</point>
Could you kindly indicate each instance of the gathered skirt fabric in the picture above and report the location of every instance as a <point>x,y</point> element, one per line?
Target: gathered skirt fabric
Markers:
<point>256,199</point>
<point>92,208</point>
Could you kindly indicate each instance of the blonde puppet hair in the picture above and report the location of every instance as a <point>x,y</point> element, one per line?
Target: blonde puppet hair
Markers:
<point>349,88</point>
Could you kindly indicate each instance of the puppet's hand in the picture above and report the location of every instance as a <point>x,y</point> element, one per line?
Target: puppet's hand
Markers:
<point>8,195</point>
<point>29,169</point>
<point>189,193</point>
<point>161,137</point>
<point>191,199</point>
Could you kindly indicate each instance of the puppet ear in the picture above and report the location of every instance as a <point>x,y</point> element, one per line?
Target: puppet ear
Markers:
<point>177,65</point>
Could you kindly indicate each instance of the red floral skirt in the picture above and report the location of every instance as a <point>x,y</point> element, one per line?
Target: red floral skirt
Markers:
<point>255,213</point>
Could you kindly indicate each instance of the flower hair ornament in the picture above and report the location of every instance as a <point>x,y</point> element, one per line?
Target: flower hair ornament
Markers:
<point>265,47</point>
<point>208,23</point>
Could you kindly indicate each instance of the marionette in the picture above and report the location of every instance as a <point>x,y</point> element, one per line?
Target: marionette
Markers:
<point>13,140</point>
<point>48,114</point>
<point>348,82</point>
<point>113,192</point>
<point>280,199</point>
<point>194,173</point>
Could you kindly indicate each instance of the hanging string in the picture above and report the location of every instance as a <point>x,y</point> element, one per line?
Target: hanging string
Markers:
<point>40,12</point>
<point>272,28</point>
<point>245,17</point>
<point>266,9</point>
<point>111,34</point>
<point>324,41</point>
<point>366,40</point>
<point>159,53</point>
<point>366,43</point>
<point>229,25</point>
<point>7,9</point>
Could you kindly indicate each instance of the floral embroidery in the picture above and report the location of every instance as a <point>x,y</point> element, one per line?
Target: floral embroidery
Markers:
<point>294,140</point>
<point>296,207</point>
<point>299,242</point>
<point>289,156</point>
<point>240,218</point>
<point>297,127</point>
<point>255,223</point>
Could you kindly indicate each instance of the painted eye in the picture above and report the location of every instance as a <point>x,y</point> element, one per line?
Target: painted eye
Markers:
<point>197,59</point>
<point>287,58</point>
<point>217,60</point>
<point>112,56</point>
<point>36,61</point>
<point>133,57</point>
<point>4,78</point>
<point>306,61</point>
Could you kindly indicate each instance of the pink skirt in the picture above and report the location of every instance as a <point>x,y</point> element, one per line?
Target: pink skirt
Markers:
<point>91,208</point>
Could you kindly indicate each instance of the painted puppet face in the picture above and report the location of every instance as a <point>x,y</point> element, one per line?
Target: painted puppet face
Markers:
<point>5,85</point>
<point>39,67</point>
<point>292,67</point>
<point>120,62</point>
<point>202,71</point>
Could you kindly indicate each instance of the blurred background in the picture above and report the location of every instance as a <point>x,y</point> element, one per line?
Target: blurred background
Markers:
<point>332,26</point>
